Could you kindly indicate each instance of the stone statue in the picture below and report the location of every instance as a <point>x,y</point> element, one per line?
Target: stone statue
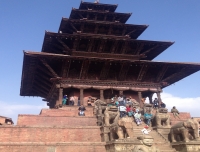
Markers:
<point>147,108</point>
<point>162,116</point>
<point>99,105</point>
<point>111,116</point>
<point>123,129</point>
<point>181,130</point>
<point>147,146</point>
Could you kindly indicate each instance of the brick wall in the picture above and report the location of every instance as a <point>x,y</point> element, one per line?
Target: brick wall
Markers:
<point>52,147</point>
<point>40,120</point>
<point>183,116</point>
<point>66,111</point>
<point>49,134</point>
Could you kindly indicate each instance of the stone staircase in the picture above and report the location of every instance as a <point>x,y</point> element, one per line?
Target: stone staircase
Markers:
<point>54,130</point>
<point>159,139</point>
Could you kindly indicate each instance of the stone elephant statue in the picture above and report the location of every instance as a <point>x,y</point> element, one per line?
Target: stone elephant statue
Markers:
<point>184,129</point>
<point>123,129</point>
<point>162,118</point>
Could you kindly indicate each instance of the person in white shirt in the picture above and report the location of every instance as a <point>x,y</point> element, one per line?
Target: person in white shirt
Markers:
<point>122,110</point>
<point>71,100</point>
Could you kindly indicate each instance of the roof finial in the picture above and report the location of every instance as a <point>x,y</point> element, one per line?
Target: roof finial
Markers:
<point>96,1</point>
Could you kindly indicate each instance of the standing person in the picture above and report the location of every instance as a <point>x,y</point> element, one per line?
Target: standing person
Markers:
<point>71,100</point>
<point>120,100</point>
<point>79,101</point>
<point>81,110</point>
<point>155,103</point>
<point>64,100</point>
<point>175,112</point>
<point>122,110</point>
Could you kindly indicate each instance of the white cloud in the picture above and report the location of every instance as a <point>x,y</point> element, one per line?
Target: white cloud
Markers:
<point>191,105</point>
<point>13,109</point>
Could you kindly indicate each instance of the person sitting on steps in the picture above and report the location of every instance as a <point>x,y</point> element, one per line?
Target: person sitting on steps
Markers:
<point>81,110</point>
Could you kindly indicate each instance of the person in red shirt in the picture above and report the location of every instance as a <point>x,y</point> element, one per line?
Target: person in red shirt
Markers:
<point>129,110</point>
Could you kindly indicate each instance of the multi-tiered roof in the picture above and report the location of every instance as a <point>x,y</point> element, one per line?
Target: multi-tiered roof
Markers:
<point>95,48</point>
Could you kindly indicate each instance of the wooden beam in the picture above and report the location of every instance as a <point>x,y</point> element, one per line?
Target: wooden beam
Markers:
<point>124,31</point>
<point>84,69</point>
<point>48,84</point>
<point>75,44</point>
<point>124,47</point>
<point>178,75</point>
<point>73,27</point>
<point>139,48</point>
<point>96,29</point>
<point>44,70</point>
<point>142,73</point>
<point>105,70</point>
<point>41,76</point>
<point>65,68</point>
<point>110,29</point>
<point>65,46</point>
<point>131,32</point>
<point>123,71</point>
<point>161,73</point>
<point>51,91</point>
<point>39,89</point>
<point>90,45</point>
<point>79,14</point>
<point>114,46</point>
<point>82,27</point>
<point>147,51</point>
<point>41,86</point>
<point>49,68</point>
<point>101,45</point>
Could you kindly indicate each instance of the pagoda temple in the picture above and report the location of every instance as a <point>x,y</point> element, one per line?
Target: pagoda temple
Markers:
<point>95,53</point>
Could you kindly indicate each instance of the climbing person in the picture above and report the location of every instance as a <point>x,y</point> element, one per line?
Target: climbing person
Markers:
<point>175,112</point>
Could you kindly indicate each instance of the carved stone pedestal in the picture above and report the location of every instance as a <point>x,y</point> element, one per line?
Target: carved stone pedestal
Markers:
<point>193,146</point>
<point>123,145</point>
<point>105,133</point>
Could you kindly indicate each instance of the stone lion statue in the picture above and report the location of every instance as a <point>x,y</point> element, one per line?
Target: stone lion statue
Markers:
<point>162,118</point>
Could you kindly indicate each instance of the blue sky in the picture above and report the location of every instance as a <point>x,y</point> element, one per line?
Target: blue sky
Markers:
<point>23,24</point>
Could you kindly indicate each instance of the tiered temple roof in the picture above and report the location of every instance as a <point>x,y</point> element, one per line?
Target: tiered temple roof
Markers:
<point>95,48</point>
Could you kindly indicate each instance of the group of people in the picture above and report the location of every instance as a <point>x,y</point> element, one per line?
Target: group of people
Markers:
<point>69,101</point>
<point>130,107</point>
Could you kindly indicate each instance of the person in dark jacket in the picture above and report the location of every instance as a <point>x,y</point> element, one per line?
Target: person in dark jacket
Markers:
<point>81,110</point>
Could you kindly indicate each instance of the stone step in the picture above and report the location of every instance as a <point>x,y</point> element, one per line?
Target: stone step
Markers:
<point>49,134</point>
<point>43,120</point>
<point>66,111</point>
<point>52,147</point>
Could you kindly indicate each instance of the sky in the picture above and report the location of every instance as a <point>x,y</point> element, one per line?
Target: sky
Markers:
<point>23,24</point>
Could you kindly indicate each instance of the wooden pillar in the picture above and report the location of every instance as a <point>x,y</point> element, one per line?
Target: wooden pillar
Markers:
<point>159,98</point>
<point>140,98</point>
<point>150,98</point>
<point>101,95</point>
<point>81,96</point>
<point>60,96</point>
<point>121,92</point>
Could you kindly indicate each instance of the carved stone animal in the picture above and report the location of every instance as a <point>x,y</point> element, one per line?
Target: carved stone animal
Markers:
<point>182,129</point>
<point>123,129</point>
<point>147,145</point>
<point>162,118</point>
